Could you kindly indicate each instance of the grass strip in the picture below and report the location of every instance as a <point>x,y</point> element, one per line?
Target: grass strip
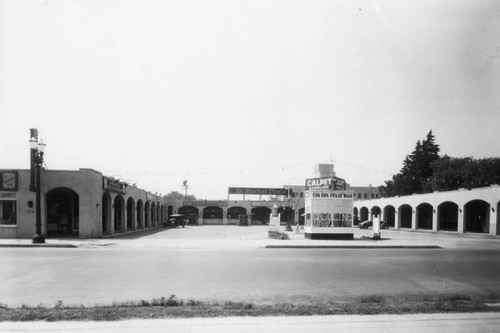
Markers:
<point>174,307</point>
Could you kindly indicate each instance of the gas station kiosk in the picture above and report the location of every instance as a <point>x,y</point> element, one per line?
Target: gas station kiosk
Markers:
<point>328,209</point>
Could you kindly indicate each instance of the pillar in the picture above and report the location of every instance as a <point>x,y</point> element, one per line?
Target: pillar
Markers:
<point>413,218</point>
<point>200,215</point>
<point>461,221</point>
<point>111,223</point>
<point>224,216</point>
<point>435,219</point>
<point>147,216</point>
<point>493,220</point>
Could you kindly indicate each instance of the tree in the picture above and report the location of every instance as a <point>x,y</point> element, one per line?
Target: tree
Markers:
<point>175,195</point>
<point>416,174</point>
<point>454,173</point>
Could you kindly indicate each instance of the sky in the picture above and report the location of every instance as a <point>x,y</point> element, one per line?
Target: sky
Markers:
<point>251,93</point>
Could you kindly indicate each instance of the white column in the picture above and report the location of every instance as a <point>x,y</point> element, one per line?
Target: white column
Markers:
<point>461,222</point>
<point>493,219</point>
<point>413,218</point>
<point>224,216</point>
<point>200,215</point>
<point>434,219</point>
<point>112,217</point>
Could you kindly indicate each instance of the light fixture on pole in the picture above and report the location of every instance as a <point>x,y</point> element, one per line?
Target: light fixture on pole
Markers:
<point>185,186</point>
<point>37,148</point>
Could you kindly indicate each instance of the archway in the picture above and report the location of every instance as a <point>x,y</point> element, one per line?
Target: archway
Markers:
<point>106,213</point>
<point>191,212</point>
<point>158,215</point>
<point>260,215</point>
<point>131,214</point>
<point>119,210</point>
<point>424,216</point>
<point>363,214</point>
<point>448,216</point>
<point>286,216</point>
<point>477,216</point>
<point>147,214</point>
<point>405,214</point>
<point>63,212</point>
<point>390,216</point>
<point>153,214</point>
<point>212,215</point>
<point>355,213</point>
<point>170,211</point>
<point>140,214</point>
<point>302,212</point>
<point>375,211</point>
<point>163,214</point>
<point>234,212</point>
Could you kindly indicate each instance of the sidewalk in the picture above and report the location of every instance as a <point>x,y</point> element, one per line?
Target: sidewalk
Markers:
<point>429,323</point>
<point>255,237</point>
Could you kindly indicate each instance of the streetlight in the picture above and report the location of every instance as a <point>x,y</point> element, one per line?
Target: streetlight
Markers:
<point>37,150</point>
<point>185,186</point>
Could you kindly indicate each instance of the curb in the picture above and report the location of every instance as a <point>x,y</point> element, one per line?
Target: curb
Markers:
<point>352,247</point>
<point>68,246</point>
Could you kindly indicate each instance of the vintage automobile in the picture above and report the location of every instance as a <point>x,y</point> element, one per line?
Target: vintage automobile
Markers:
<point>176,220</point>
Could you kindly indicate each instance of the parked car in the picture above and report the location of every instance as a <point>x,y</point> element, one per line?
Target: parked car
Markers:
<point>176,220</point>
<point>369,223</point>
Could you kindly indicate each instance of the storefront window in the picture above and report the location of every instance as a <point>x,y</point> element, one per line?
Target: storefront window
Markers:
<point>8,212</point>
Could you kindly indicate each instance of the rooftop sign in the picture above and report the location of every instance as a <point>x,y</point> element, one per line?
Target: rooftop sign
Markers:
<point>257,191</point>
<point>205,203</point>
<point>325,183</point>
<point>113,185</point>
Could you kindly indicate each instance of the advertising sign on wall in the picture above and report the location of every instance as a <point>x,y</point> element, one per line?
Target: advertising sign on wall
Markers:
<point>325,183</point>
<point>271,203</point>
<point>8,180</point>
<point>113,185</point>
<point>205,203</point>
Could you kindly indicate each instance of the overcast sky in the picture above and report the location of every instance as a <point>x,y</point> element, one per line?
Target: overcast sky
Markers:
<point>246,93</point>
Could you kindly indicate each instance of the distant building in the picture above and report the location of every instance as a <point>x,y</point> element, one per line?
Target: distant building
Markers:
<point>365,192</point>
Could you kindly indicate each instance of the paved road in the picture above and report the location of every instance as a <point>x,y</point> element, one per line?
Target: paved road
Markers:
<point>133,271</point>
<point>435,323</point>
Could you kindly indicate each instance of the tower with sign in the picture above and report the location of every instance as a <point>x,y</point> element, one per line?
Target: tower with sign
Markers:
<point>328,209</point>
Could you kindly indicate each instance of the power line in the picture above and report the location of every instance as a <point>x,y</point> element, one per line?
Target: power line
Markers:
<point>267,169</point>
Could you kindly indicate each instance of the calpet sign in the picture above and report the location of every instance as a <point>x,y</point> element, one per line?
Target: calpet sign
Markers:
<point>325,183</point>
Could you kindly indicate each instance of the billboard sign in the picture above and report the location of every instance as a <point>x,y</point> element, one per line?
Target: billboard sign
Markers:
<point>258,191</point>
<point>113,185</point>
<point>205,203</point>
<point>325,183</point>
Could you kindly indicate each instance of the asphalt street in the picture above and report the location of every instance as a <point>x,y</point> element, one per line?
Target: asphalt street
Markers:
<point>137,268</point>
